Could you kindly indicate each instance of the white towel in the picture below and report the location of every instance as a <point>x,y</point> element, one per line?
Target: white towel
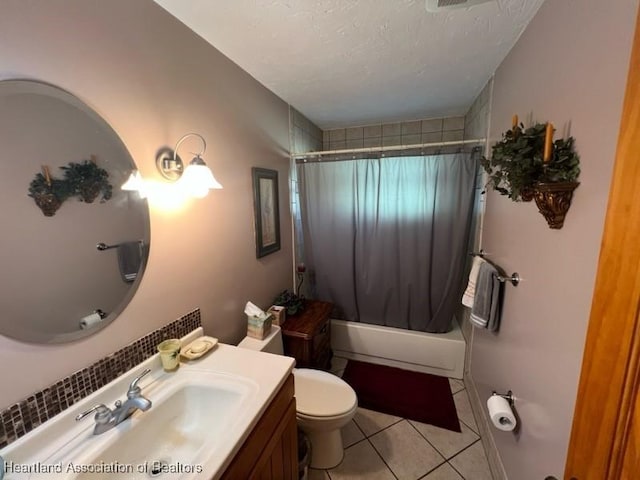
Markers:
<point>470,292</point>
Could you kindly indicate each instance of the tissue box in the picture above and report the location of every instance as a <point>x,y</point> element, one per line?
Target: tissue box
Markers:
<point>279,314</point>
<point>259,327</point>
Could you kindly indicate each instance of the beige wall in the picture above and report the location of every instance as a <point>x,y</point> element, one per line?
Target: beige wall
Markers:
<point>153,80</point>
<point>570,65</point>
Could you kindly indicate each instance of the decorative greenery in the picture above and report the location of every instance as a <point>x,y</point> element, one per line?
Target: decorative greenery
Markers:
<point>517,165</point>
<point>292,302</point>
<point>564,165</point>
<point>58,188</point>
<point>516,161</point>
<point>88,180</point>
<point>48,193</point>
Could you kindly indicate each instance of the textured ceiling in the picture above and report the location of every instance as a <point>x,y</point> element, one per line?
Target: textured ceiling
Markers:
<point>357,62</point>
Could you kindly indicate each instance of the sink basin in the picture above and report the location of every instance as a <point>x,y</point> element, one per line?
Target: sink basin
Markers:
<point>175,431</point>
<point>200,416</point>
<point>186,422</point>
<point>178,429</point>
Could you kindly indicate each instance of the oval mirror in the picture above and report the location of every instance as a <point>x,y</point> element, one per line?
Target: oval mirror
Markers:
<point>57,285</point>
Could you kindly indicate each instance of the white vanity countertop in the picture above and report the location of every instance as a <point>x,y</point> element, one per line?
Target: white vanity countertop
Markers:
<point>259,374</point>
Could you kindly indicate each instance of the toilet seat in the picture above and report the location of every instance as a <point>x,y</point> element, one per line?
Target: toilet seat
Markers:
<point>321,394</point>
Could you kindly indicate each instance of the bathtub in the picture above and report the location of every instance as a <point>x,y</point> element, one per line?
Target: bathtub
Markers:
<point>436,353</point>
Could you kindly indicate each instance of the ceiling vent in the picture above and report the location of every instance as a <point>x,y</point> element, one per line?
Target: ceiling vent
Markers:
<point>443,5</point>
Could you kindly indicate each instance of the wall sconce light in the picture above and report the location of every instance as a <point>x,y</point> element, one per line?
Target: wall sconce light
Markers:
<point>196,178</point>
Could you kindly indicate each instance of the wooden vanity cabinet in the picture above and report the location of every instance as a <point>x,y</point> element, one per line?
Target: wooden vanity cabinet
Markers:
<point>271,450</point>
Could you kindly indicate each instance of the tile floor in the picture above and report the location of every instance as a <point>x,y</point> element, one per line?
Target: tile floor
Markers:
<point>380,446</point>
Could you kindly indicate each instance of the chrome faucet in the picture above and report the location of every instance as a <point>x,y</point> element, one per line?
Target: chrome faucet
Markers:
<point>106,418</point>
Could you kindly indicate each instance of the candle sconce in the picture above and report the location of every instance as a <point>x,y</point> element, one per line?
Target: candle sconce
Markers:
<point>48,192</point>
<point>554,190</point>
<point>527,164</point>
<point>553,201</point>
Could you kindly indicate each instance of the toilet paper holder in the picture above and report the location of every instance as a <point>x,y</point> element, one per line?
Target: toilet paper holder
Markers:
<point>507,396</point>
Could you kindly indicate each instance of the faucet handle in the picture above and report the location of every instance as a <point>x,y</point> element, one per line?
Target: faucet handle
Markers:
<point>103,413</point>
<point>134,389</point>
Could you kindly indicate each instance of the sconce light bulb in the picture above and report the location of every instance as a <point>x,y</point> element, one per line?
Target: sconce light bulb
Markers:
<point>135,183</point>
<point>197,179</point>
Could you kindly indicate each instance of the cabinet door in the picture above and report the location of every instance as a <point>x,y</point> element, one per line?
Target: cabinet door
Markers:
<point>271,450</point>
<point>282,463</point>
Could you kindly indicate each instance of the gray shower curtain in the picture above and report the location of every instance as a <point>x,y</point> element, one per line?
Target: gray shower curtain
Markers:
<point>385,239</point>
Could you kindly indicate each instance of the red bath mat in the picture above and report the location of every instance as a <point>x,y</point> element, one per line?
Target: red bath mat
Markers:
<point>416,396</point>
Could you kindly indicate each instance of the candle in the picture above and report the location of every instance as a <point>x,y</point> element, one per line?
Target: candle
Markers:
<point>548,143</point>
<point>47,176</point>
<point>515,121</point>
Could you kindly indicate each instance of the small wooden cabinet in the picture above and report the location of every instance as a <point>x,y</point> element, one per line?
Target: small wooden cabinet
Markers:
<point>271,451</point>
<point>307,335</point>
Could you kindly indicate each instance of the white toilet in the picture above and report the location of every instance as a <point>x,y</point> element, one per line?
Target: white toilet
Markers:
<point>324,404</point>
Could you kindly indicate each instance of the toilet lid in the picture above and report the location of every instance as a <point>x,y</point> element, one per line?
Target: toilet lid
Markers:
<point>321,394</point>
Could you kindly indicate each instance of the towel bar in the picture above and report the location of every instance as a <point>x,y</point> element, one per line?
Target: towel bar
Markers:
<point>103,246</point>
<point>514,279</point>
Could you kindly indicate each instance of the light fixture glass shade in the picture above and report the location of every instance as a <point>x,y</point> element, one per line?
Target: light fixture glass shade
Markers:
<point>135,183</point>
<point>198,179</point>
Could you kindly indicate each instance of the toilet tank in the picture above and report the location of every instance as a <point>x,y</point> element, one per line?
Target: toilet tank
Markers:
<point>272,343</point>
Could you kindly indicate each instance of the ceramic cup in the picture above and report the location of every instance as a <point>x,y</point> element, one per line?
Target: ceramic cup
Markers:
<point>170,354</point>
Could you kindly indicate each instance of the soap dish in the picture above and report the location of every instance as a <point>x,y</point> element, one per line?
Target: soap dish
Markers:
<point>199,347</point>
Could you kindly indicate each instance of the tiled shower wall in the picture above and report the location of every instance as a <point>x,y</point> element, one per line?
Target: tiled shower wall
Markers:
<point>476,126</point>
<point>305,136</point>
<point>475,121</point>
<point>429,130</point>
<point>22,417</point>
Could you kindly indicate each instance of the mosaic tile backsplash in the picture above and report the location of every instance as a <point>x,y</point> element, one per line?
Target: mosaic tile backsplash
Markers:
<point>22,417</point>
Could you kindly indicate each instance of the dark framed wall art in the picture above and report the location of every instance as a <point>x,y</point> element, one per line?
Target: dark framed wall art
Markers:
<point>266,211</point>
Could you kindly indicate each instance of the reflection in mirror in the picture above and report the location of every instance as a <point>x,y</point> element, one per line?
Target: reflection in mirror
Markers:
<point>57,285</point>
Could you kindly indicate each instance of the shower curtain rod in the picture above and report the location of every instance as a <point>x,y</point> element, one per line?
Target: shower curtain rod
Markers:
<point>301,156</point>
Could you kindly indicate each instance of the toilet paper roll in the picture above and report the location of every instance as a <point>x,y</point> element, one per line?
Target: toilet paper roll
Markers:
<point>90,320</point>
<point>501,414</point>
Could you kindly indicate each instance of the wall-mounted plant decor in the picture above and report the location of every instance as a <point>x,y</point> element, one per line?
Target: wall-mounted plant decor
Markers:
<point>527,164</point>
<point>48,192</point>
<point>554,190</point>
<point>88,180</point>
<point>516,162</point>
<point>85,180</point>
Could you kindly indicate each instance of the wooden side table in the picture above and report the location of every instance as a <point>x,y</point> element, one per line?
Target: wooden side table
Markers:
<point>307,335</point>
